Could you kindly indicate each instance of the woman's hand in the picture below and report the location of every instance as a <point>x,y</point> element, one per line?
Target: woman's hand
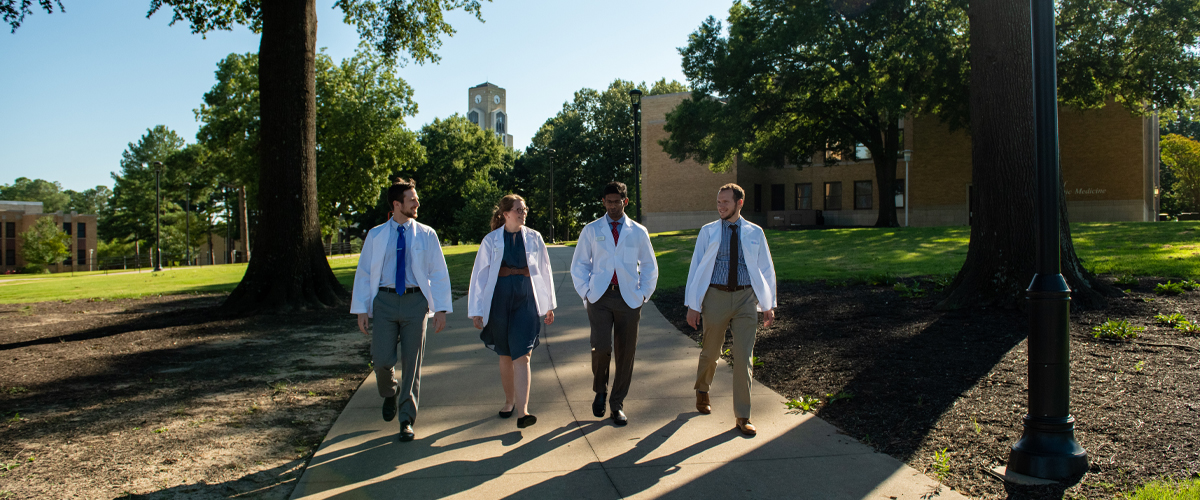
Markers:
<point>477,321</point>
<point>550,316</point>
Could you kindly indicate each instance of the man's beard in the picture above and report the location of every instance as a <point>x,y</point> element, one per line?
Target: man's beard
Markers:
<point>733,214</point>
<point>411,214</point>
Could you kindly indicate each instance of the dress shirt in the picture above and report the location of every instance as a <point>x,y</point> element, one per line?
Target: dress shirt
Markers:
<point>720,273</point>
<point>388,278</point>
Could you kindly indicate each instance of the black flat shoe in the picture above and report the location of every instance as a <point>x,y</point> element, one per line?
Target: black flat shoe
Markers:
<point>619,418</point>
<point>505,414</point>
<point>389,408</point>
<point>526,421</point>
<point>406,432</point>
<point>598,404</point>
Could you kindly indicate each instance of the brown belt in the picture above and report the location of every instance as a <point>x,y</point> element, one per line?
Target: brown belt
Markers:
<point>510,271</point>
<point>727,288</point>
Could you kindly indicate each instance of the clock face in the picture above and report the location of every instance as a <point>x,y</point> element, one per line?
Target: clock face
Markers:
<point>496,99</point>
<point>478,99</point>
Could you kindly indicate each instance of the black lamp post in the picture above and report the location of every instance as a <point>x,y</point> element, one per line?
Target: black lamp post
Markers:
<point>1047,448</point>
<point>158,166</point>
<point>551,151</point>
<point>635,96</point>
<point>187,221</point>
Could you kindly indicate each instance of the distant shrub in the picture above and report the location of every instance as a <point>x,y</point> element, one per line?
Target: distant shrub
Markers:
<point>1117,330</point>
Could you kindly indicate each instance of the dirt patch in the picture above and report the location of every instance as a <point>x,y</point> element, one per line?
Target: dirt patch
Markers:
<point>946,391</point>
<point>165,397</point>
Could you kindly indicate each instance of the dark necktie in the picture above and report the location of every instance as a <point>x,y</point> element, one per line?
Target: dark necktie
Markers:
<point>400,275</point>
<point>616,237</point>
<point>732,281</point>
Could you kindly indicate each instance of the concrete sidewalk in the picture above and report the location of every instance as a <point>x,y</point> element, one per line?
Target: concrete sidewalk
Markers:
<point>668,449</point>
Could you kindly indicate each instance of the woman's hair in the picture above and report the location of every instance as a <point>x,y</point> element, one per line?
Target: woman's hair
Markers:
<point>506,204</point>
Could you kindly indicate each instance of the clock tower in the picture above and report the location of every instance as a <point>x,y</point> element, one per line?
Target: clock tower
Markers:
<point>487,106</point>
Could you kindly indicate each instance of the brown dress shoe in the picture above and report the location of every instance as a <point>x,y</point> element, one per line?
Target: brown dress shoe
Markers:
<point>702,404</point>
<point>747,428</point>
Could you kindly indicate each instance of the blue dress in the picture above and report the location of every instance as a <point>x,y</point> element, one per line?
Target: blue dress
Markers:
<point>513,324</point>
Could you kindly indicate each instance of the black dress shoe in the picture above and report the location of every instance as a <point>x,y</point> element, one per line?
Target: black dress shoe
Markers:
<point>619,418</point>
<point>526,421</point>
<point>389,408</point>
<point>505,414</point>
<point>598,404</point>
<point>406,431</point>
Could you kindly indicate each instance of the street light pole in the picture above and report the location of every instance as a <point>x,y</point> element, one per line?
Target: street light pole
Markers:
<point>1047,448</point>
<point>635,96</point>
<point>551,151</point>
<point>187,221</point>
<point>157,210</point>
<point>907,185</point>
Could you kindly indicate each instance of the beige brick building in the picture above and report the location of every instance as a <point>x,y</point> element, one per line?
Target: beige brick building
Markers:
<point>1109,161</point>
<point>18,216</point>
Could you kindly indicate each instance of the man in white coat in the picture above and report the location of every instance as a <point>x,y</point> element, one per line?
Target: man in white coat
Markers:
<point>731,279</point>
<point>401,282</point>
<point>615,271</point>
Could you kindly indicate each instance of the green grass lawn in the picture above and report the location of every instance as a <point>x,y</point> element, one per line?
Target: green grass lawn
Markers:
<point>1170,249</point>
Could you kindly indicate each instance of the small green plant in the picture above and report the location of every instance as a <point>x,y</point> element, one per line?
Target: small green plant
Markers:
<point>1117,330</point>
<point>1169,319</point>
<point>252,409</point>
<point>755,361</point>
<point>909,292</point>
<point>1166,490</point>
<point>1189,285</point>
<point>978,428</point>
<point>1169,288</point>
<point>26,311</point>
<point>9,466</point>
<point>1126,280</point>
<point>1137,367</point>
<point>16,417</point>
<point>942,282</point>
<point>941,463</point>
<point>1188,327</point>
<point>17,390</point>
<point>882,279</point>
<point>831,398</point>
<point>805,404</point>
<point>311,393</point>
<point>280,386</point>
<point>160,430</point>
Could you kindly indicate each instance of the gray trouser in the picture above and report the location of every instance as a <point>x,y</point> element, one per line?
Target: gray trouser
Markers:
<point>614,324</point>
<point>399,321</point>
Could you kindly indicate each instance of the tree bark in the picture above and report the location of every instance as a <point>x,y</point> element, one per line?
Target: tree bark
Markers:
<point>289,270</point>
<point>885,174</point>
<point>1000,257</point>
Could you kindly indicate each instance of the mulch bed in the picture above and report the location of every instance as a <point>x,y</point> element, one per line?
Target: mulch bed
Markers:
<point>923,382</point>
<point>164,397</point>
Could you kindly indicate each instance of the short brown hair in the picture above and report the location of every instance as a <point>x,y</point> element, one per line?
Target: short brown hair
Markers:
<point>397,189</point>
<point>738,192</point>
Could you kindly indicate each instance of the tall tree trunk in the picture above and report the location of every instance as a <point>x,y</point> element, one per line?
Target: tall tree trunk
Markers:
<point>885,174</point>
<point>1000,258</point>
<point>289,270</point>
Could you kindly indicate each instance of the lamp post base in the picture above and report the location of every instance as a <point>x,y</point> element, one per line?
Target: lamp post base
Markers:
<point>1048,450</point>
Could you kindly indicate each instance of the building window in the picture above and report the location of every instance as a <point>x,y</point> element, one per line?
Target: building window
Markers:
<point>900,193</point>
<point>10,257</point>
<point>861,153</point>
<point>758,197</point>
<point>777,200</point>
<point>10,229</point>
<point>804,196</point>
<point>81,230</point>
<point>500,123</point>
<point>67,262</point>
<point>833,196</point>
<point>67,228</point>
<point>82,257</point>
<point>862,195</point>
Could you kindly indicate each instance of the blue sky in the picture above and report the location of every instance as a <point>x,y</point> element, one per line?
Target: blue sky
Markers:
<point>77,87</point>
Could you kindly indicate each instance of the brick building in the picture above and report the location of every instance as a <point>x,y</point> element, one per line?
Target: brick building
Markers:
<point>1109,160</point>
<point>18,216</point>
<point>487,106</point>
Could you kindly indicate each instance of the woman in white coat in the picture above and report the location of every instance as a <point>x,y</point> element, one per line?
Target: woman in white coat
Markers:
<point>512,287</point>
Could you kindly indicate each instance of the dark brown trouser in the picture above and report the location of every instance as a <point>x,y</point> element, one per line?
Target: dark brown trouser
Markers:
<point>614,325</point>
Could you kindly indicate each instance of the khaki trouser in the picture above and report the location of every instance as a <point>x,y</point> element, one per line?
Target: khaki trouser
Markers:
<point>737,311</point>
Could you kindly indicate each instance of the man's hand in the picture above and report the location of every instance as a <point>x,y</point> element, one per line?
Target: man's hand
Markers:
<point>693,318</point>
<point>768,317</point>
<point>362,323</point>
<point>439,321</point>
<point>477,321</point>
<point>550,316</point>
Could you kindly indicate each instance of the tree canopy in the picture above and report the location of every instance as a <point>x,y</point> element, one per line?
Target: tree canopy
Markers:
<point>1181,159</point>
<point>50,193</point>
<point>44,244</point>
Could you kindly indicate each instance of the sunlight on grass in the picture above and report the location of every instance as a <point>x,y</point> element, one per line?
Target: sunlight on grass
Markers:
<point>1167,490</point>
<point>1167,249</point>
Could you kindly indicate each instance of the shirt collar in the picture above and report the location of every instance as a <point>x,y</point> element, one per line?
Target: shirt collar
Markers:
<point>392,224</point>
<point>735,222</point>
<point>609,220</point>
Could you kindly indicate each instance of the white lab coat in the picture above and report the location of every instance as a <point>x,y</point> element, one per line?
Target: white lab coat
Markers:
<point>487,269</point>
<point>428,266</point>
<point>632,258</point>
<point>752,243</point>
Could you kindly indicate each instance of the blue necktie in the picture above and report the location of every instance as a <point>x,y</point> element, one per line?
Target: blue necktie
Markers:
<point>400,275</point>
